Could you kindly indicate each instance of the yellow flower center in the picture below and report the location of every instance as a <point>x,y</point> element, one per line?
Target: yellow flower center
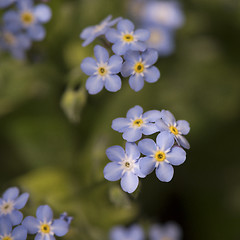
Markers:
<point>160,156</point>
<point>137,122</point>
<point>27,18</point>
<point>7,238</point>
<point>9,38</point>
<point>127,164</point>
<point>173,130</point>
<point>102,71</point>
<point>45,228</point>
<point>128,38</point>
<point>139,67</point>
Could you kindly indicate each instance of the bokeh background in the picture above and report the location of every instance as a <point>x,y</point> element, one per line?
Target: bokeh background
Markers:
<point>53,135</point>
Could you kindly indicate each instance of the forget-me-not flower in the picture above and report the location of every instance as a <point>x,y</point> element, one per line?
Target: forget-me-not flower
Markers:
<point>102,71</point>
<point>160,155</point>
<point>44,225</point>
<point>6,3</point>
<point>11,202</point>
<point>90,33</point>
<point>136,123</point>
<point>176,128</point>
<point>7,233</point>
<point>168,231</point>
<point>30,18</point>
<point>125,38</point>
<point>124,166</point>
<point>139,67</point>
<point>134,232</point>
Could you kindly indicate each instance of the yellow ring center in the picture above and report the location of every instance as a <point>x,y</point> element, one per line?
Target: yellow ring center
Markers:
<point>102,71</point>
<point>128,38</point>
<point>45,228</point>
<point>160,156</point>
<point>137,122</point>
<point>139,67</point>
<point>27,18</point>
<point>173,130</point>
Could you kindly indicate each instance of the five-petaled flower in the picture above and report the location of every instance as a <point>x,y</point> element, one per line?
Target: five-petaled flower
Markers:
<point>124,166</point>
<point>160,155</point>
<point>102,72</point>
<point>139,67</point>
<point>137,123</point>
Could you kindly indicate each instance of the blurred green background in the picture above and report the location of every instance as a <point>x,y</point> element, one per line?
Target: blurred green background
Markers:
<point>59,160</point>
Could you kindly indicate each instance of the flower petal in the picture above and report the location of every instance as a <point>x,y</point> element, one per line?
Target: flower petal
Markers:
<point>182,141</point>
<point>87,32</point>
<point>120,124</point>
<point>135,232</point>
<point>151,74</point>
<point>113,83</point>
<point>138,46</point>
<point>36,32</point>
<point>89,66</point>
<point>132,57</point>
<point>5,226</point>
<point>177,156</point>
<point>129,182</point>
<point>161,125</point>
<point>132,134</point>
<point>11,194</point>
<point>132,150</point>
<point>44,213</point>
<point>149,128</point>
<point>94,84</point>
<point>118,233</point>
<point>59,227</point>
<point>165,140</point>
<point>19,233</point>
<point>125,25</point>
<point>142,34</point>
<point>183,127</point>
<point>113,171</point>
<point>127,69</point>
<point>147,146</point>
<point>136,82</point>
<point>147,165</point>
<point>168,117</point>
<point>115,153</point>
<point>150,56</point>
<point>135,112</point>
<point>16,217</point>
<point>31,224</point>
<point>115,64</point>
<point>152,115</point>
<point>101,54</point>
<point>120,48</point>
<point>43,13</point>
<point>21,201</point>
<point>113,35</point>
<point>39,236</point>
<point>164,172</point>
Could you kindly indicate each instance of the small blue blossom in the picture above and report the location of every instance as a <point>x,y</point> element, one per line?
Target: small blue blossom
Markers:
<point>90,33</point>
<point>64,216</point>
<point>11,202</point>
<point>44,225</point>
<point>102,71</point>
<point>176,128</point>
<point>136,123</point>
<point>125,38</point>
<point>7,233</point>
<point>124,166</point>
<point>6,3</point>
<point>139,67</point>
<point>30,18</point>
<point>134,232</point>
<point>169,231</point>
<point>160,155</point>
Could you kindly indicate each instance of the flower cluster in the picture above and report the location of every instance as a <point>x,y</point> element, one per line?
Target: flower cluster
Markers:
<point>161,18</point>
<point>22,24</point>
<point>14,227</point>
<point>131,57</point>
<point>167,231</point>
<point>162,154</point>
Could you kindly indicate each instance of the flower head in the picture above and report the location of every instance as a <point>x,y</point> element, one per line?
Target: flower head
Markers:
<point>176,128</point>
<point>136,123</point>
<point>44,225</point>
<point>10,203</point>
<point>160,156</point>
<point>139,67</point>
<point>125,38</point>
<point>124,166</point>
<point>102,71</point>
<point>90,33</point>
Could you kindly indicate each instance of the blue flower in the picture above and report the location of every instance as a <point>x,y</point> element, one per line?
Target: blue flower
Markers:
<point>124,166</point>
<point>44,225</point>
<point>6,3</point>
<point>30,18</point>
<point>124,38</point>
<point>10,203</point>
<point>102,72</point>
<point>139,67</point>
<point>136,123</point>
<point>64,216</point>
<point>6,232</point>
<point>170,231</point>
<point>176,128</point>
<point>90,33</point>
<point>134,232</point>
<point>160,155</point>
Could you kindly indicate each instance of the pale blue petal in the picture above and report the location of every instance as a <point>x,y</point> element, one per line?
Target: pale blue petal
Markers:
<point>36,32</point>
<point>150,56</point>
<point>24,41</point>
<point>136,232</point>
<point>142,35</point>
<point>182,141</point>
<point>147,146</point>
<point>151,74</point>
<point>113,83</point>
<point>11,16</point>
<point>120,124</point>
<point>115,153</point>
<point>183,127</point>
<point>138,46</point>
<point>165,140</point>
<point>5,226</point>
<point>16,217</point>
<point>113,35</point>
<point>129,182</point>
<point>94,84</point>
<point>118,233</point>
<point>149,128</point>
<point>135,112</point>
<point>31,224</point>
<point>11,194</point>
<point>137,170</point>
<point>127,69</point>
<point>48,237</point>
<point>132,57</point>
<point>132,134</point>
<point>164,172</point>
<point>152,115</point>
<point>132,150</point>
<point>6,3</point>
<point>168,117</point>
<point>114,21</point>
<point>87,32</point>
<point>161,125</point>
<point>136,82</point>
<point>21,201</point>
<point>176,156</point>
<point>59,227</point>
<point>39,236</point>
<point>25,4</point>
<point>89,66</point>
<point>120,47</point>
<point>44,213</point>
<point>173,230</point>
<point>147,165</point>
<point>89,40</point>
<point>115,64</point>
<point>125,25</point>
<point>19,233</point>
<point>43,13</point>
<point>113,171</point>
<point>101,54</point>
